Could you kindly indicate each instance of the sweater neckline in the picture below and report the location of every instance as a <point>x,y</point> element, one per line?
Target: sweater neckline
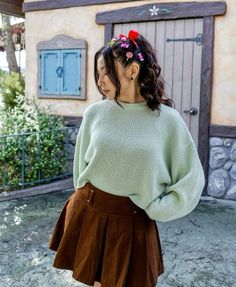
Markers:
<point>131,106</point>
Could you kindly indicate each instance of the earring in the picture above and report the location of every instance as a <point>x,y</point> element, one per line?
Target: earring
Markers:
<point>131,78</point>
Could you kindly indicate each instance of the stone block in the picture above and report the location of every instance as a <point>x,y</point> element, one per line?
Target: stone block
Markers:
<point>233,171</point>
<point>218,183</point>
<point>228,142</point>
<point>232,154</point>
<point>228,165</point>
<point>231,194</point>
<point>70,150</point>
<point>73,137</point>
<point>218,157</point>
<point>70,166</point>
<point>216,141</point>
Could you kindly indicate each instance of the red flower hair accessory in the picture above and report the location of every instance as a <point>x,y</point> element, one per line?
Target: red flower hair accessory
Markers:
<point>132,35</point>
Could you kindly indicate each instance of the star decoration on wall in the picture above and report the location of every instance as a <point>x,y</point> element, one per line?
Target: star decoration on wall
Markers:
<point>154,10</point>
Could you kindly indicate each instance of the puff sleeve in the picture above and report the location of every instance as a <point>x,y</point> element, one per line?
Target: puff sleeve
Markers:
<point>187,182</point>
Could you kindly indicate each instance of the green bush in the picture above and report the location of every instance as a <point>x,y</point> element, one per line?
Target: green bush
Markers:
<point>11,86</point>
<point>39,148</point>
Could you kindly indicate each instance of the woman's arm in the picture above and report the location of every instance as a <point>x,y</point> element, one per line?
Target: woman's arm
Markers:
<point>188,181</point>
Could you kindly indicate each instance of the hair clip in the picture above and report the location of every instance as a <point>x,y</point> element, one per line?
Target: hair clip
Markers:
<point>140,56</point>
<point>125,45</point>
<point>129,55</point>
<point>112,42</point>
<point>122,37</point>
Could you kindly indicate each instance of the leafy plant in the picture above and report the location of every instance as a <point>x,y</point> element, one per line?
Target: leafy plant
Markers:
<point>11,86</point>
<point>32,145</point>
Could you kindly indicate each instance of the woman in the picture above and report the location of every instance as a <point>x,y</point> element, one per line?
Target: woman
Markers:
<point>135,162</point>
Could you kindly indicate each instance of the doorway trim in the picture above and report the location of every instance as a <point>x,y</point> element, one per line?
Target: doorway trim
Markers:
<point>176,10</point>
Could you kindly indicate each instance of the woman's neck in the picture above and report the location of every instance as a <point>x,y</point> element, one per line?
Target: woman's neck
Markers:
<point>131,96</point>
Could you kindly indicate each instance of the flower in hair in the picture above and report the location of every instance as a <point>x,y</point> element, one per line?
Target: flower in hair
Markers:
<point>112,42</point>
<point>129,55</point>
<point>125,45</point>
<point>133,34</point>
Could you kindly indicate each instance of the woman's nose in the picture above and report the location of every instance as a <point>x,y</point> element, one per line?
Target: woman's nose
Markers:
<point>99,81</point>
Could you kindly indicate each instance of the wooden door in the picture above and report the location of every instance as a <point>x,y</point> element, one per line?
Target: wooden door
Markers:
<point>178,45</point>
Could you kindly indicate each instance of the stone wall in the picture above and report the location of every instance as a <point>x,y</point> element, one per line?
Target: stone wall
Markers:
<point>222,168</point>
<point>72,134</point>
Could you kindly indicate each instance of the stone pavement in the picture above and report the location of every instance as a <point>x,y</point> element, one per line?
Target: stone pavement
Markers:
<point>199,249</point>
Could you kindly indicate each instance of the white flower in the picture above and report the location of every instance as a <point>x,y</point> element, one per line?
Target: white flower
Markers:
<point>154,10</point>
<point>60,44</point>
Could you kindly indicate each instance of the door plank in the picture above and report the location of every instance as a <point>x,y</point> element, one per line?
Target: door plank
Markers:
<point>187,69</point>
<point>160,44</point>
<point>117,29</point>
<point>169,57</point>
<point>151,33</point>
<point>142,28</point>
<point>196,79</point>
<point>178,65</point>
<point>125,28</point>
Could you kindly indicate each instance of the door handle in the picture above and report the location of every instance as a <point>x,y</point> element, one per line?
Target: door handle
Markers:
<point>192,111</point>
<point>59,71</point>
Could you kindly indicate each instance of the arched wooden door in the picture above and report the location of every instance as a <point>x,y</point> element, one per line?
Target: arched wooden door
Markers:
<point>178,45</point>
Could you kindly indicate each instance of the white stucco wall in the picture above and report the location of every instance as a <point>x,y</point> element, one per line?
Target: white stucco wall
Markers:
<point>79,22</point>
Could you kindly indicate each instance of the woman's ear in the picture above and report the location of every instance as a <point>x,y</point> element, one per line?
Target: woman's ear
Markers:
<point>133,70</point>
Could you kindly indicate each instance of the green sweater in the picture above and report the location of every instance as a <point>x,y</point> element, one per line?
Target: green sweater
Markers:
<point>146,155</point>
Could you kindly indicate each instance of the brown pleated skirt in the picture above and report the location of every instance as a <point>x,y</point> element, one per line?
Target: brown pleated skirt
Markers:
<point>106,238</point>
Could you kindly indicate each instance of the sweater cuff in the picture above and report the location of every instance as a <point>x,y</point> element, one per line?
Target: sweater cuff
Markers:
<point>178,200</point>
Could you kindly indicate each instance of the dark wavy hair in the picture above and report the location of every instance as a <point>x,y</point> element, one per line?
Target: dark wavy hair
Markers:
<point>150,80</point>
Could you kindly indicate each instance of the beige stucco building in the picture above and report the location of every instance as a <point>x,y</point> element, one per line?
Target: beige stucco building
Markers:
<point>80,22</point>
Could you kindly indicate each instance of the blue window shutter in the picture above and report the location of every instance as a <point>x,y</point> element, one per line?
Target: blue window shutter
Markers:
<point>50,71</point>
<point>71,83</point>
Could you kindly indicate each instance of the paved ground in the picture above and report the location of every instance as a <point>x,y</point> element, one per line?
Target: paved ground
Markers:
<point>199,249</point>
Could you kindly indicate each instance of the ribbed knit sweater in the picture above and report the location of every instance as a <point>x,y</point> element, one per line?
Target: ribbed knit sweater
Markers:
<point>146,155</point>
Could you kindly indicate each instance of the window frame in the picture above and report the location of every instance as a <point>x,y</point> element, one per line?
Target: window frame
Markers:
<point>63,43</point>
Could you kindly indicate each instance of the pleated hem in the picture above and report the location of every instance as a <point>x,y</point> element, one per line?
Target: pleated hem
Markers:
<point>77,278</point>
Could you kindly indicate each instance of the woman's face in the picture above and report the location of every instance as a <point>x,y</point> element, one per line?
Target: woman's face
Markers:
<point>106,85</point>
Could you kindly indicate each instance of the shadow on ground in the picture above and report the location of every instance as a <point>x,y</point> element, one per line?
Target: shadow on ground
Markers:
<point>199,249</point>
